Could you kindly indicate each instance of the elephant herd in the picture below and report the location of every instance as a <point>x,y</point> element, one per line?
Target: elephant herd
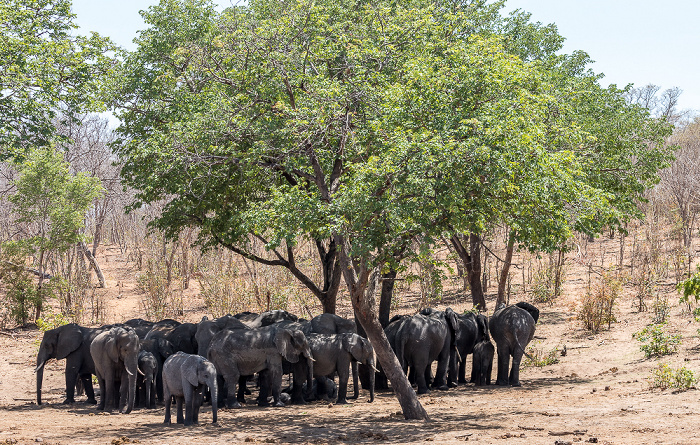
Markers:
<point>139,361</point>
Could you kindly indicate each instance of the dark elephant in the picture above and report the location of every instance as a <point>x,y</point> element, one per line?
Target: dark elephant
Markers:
<point>206,329</point>
<point>335,353</point>
<point>139,325</point>
<point>269,318</point>
<point>161,350</point>
<point>180,335</point>
<point>243,352</point>
<point>70,342</point>
<point>482,362</point>
<point>146,379</point>
<point>390,331</point>
<point>115,354</point>
<point>512,328</point>
<point>421,340</point>
<point>473,329</point>
<point>184,377</point>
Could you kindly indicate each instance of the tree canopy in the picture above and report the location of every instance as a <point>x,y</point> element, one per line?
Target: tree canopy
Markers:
<point>46,72</point>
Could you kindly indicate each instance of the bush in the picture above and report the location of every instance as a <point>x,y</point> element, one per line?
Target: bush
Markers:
<point>159,300</point>
<point>541,358</point>
<point>598,305</point>
<point>656,342</point>
<point>665,377</point>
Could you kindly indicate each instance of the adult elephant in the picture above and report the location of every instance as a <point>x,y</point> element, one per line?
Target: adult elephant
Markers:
<point>269,318</point>
<point>242,352</point>
<point>182,335</point>
<point>70,342</point>
<point>421,340</point>
<point>390,331</point>
<point>140,326</point>
<point>473,329</point>
<point>161,350</point>
<point>115,354</point>
<point>512,328</point>
<point>335,353</point>
<point>331,324</point>
<point>206,329</point>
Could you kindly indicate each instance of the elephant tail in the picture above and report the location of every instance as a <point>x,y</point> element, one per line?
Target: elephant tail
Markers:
<point>523,349</point>
<point>532,310</point>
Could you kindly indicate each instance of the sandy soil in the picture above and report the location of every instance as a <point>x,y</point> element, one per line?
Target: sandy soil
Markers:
<point>598,392</point>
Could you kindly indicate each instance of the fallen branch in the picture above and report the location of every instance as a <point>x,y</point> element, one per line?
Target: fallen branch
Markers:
<point>29,269</point>
<point>568,433</point>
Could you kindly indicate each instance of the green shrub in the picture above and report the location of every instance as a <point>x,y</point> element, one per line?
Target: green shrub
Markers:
<point>665,377</point>
<point>656,341</point>
<point>539,358</point>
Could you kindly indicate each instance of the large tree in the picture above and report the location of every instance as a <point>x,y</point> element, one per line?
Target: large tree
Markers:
<point>361,125</point>
<point>46,71</point>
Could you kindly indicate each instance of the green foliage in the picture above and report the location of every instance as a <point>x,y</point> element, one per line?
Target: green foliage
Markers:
<point>598,305</point>
<point>46,68</point>
<point>690,288</point>
<point>665,377</point>
<point>50,321</point>
<point>656,342</point>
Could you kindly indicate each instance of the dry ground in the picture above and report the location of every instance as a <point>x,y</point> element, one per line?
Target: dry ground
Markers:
<point>598,391</point>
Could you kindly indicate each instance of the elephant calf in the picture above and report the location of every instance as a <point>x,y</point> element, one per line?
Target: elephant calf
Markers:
<point>146,380</point>
<point>482,362</point>
<point>184,377</point>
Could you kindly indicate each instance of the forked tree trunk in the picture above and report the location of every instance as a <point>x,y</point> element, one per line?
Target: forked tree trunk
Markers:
<point>356,276</point>
<point>388,281</point>
<point>469,251</point>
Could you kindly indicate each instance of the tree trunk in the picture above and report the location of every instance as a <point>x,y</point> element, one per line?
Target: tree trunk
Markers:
<point>503,279</point>
<point>93,263</point>
<point>357,277</point>
<point>388,281</point>
<point>472,264</point>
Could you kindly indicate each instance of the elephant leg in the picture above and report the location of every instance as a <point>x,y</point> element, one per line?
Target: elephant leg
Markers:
<point>103,390</point>
<point>168,403</point>
<point>355,378</point>
<point>190,400</point>
<point>242,388</point>
<point>489,368</point>
<point>462,374</point>
<point>264,384</point>
<point>276,380</point>
<point>299,372</point>
<point>159,384</point>
<point>343,376</point>
<point>232,382</point>
<point>71,380</point>
<point>440,381</point>
<point>514,379</point>
<point>87,387</point>
<point>421,372</point>
<point>503,362</point>
<point>179,401</point>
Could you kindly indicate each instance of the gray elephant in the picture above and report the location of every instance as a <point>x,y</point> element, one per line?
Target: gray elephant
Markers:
<point>268,318</point>
<point>206,329</point>
<point>330,324</point>
<point>390,331</point>
<point>115,354</point>
<point>146,379</point>
<point>242,352</point>
<point>141,326</point>
<point>512,328</point>
<point>473,329</point>
<point>335,353</point>
<point>482,358</point>
<point>70,342</point>
<point>423,339</point>
<point>184,377</point>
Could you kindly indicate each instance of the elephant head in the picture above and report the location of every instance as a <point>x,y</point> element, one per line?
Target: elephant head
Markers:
<point>122,346</point>
<point>291,343</point>
<point>57,343</point>
<point>203,373</point>
<point>361,351</point>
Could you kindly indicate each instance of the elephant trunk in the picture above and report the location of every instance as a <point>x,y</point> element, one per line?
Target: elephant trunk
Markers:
<point>372,377</point>
<point>310,375</point>
<point>148,383</point>
<point>41,360</point>
<point>214,396</point>
<point>132,370</point>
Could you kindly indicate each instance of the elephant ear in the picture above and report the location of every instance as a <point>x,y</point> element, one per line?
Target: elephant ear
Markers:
<point>353,344</point>
<point>112,348</point>
<point>452,319</point>
<point>69,339</point>
<point>189,373</point>
<point>165,348</point>
<point>283,342</point>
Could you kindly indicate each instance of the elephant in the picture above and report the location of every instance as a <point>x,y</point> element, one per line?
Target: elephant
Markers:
<point>180,335</point>
<point>246,316</point>
<point>115,354</point>
<point>242,352</point>
<point>161,350</point>
<point>70,342</point>
<point>334,353</point>
<point>146,379</point>
<point>482,362</point>
<point>512,328</point>
<point>423,339</point>
<point>206,329</point>
<point>184,377</point>
<point>269,318</point>
<point>141,326</point>
<point>472,329</point>
<point>330,324</point>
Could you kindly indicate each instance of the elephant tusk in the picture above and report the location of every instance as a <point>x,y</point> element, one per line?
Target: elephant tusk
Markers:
<point>312,359</point>
<point>140,372</point>
<point>129,372</point>
<point>375,369</point>
<point>39,367</point>
<point>360,363</point>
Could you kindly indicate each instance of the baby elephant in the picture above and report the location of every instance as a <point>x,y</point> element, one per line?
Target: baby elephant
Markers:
<point>146,380</point>
<point>184,377</point>
<point>482,362</point>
